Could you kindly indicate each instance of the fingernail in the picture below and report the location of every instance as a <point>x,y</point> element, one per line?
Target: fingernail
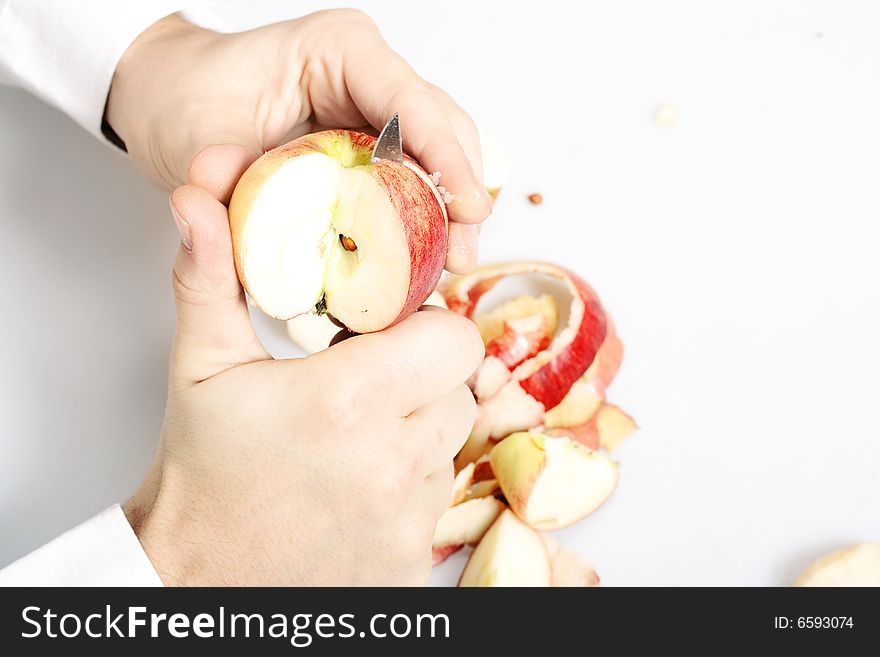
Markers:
<point>182,227</point>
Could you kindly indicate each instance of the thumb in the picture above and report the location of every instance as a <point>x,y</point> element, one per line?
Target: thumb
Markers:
<point>214,331</point>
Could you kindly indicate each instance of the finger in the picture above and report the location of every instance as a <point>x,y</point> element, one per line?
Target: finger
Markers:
<point>427,132</point>
<point>406,366</point>
<point>218,167</point>
<point>437,431</point>
<point>465,130</point>
<point>214,330</point>
<point>463,249</point>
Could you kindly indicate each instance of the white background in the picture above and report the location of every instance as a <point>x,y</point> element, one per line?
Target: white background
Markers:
<point>737,251</point>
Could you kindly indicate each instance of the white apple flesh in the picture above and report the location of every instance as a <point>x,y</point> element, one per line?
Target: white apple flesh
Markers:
<point>567,567</point>
<point>317,227</point>
<point>857,565</point>
<point>510,554</point>
<point>551,482</point>
<point>464,524</point>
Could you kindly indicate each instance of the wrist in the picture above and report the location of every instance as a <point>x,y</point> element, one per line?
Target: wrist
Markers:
<point>148,89</point>
<point>158,518</point>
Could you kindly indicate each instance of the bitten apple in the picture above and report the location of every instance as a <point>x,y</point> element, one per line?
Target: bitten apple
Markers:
<point>551,482</point>
<point>318,227</point>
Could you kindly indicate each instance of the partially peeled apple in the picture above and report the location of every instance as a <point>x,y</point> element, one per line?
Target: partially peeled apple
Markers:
<point>317,227</point>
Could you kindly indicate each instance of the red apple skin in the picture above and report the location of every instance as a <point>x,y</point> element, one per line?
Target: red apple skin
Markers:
<point>414,197</point>
<point>513,348</point>
<point>424,221</point>
<point>608,359</point>
<point>552,381</point>
<point>586,434</point>
<point>439,555</point>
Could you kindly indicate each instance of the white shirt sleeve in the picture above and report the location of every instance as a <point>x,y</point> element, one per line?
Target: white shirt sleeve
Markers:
<point>65,52</point>
<point>103,551</point>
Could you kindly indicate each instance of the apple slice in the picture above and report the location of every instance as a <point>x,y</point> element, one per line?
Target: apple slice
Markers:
<point>551,482</point>
<point>462,483</point>
<point>857,565</point>
<point>313,333</point>
<point>578,406</point>
<point>510,554</point>
<point>608,428</point>
<point>464,524</point>
<point>481,489</point>
<point>567,567</point>
<point>318,227</point>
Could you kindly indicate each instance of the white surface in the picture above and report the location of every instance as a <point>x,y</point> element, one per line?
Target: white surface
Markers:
<point>102,551</point>
<point>736,250</point>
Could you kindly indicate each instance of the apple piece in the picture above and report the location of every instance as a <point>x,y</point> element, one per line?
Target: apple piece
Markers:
<point>318,227</point>
<point>613,426</point>
<point>607,361</point>
<point>489,378</point>
<point>439,555</point>
<point>465,523</point>
<point>496,165</point>
<point>462,483</point>
<point>567,567</point>
<point>313,333</point>
<point>548,376</point>
<point>510,409</point>
<point>551,482</point>
<point>857,565</point>
<point>607,428</point>
<point>483,469</point>
<point>510,554</point>
<point>586,434</point>
<point>492,323</point>
<point>577,407</point>
<point>522,338</point>
<point>481,489</point>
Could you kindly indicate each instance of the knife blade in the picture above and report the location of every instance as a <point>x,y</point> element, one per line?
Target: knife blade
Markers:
<point>389,145</point>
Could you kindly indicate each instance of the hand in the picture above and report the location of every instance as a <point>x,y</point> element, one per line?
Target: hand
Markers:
<point>179,88</point>
<point>329,470</point>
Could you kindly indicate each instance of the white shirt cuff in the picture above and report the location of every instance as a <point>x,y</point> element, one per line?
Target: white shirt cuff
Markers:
<point>103,551</point>
<point>66,52</point>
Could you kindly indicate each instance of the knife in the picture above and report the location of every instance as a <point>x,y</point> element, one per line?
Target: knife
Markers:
<point>389,145</point>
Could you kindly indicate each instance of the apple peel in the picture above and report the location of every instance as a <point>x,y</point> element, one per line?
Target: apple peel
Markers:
<point>551,482</point>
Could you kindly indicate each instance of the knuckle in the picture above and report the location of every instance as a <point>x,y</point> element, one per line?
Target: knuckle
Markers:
<point>390,483</point>
<point>343,402</point>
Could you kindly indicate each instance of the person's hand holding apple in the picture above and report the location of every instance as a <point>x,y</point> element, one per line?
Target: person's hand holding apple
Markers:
<point>332,469</point>
<point>179,88</point>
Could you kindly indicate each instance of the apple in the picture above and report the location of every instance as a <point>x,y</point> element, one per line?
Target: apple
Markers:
<point>510,554</point>
<point>857,565</point>
<point>542,381</point>
<point>551,482</point>
<point>317,227</point>
<point>464,524</point>
<point>519,328</point>
<point>567,567</point>
<point>313,333</point>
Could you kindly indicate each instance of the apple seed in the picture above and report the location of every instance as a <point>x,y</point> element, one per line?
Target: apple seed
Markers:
<point>347,243</point>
